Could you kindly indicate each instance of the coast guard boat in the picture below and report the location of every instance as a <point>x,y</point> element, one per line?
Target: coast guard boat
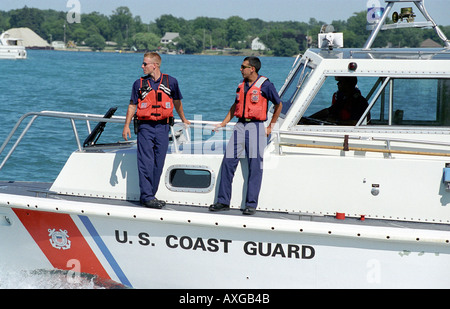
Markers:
<point>11,48</point>
<point>365,205</point>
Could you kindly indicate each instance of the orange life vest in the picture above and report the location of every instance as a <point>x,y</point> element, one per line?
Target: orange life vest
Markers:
<point>344,113</point>
<point>155,104</point>
<point>251,105</point>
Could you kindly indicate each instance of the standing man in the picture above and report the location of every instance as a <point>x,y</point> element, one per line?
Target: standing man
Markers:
<point>153,96</point>
<point>249,135</point>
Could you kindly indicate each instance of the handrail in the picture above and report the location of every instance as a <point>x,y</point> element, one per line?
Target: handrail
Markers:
<point>346,147</point>
<point>78,116</point>
<point>365,149</point>
<point>365,138</point>
<point>64,115</point>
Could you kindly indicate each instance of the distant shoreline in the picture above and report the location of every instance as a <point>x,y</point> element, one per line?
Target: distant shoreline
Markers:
<point>244,52</point>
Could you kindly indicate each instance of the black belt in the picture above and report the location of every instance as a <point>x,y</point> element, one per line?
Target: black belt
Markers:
<point>162,121</point>
<point>246,120</point>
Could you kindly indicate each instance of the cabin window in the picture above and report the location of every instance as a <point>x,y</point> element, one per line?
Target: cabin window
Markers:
<point>299,75</point>
<point>189,179</point>
<point>323,108</point>
<point>390,101</point>
<point>413,102</point>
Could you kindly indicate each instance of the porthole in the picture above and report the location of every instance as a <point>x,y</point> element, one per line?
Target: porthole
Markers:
<point>189,178</point>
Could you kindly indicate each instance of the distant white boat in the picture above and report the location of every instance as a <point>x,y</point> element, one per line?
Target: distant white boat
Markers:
<point>11,48</point>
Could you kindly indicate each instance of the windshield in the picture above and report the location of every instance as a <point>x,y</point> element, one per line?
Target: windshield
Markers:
<point>296,79</point>
<point>372,101</point>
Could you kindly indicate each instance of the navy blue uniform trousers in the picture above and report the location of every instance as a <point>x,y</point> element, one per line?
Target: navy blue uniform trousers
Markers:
<point>152,144</point>
<point>248,140</point>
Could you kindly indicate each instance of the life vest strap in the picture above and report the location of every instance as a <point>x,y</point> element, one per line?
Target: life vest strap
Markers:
<point>260,81</point>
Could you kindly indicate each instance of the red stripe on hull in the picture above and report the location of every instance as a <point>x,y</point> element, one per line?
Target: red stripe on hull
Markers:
<point>49,231</point>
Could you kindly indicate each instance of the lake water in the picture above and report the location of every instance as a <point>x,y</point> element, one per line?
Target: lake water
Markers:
<point>89,82</point>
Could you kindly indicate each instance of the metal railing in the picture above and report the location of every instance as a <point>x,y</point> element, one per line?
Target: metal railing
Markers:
<point>52,114</point>
<point>343,139</point>
<point>88,118</point>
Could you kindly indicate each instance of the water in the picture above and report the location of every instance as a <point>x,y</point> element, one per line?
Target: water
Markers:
<point>52,279</point>
<point>89,82</point>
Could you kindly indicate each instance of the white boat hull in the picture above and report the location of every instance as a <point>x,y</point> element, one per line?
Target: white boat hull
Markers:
<point>145,248</point>
<point>13,52</point>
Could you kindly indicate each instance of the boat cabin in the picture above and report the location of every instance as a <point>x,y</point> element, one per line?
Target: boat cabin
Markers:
<point>401,89</point>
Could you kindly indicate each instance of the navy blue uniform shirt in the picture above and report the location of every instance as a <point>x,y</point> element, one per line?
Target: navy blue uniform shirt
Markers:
<point>173,85</point>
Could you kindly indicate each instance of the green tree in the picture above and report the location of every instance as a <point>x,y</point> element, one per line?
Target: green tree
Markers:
<point>206,23</point>
<point>169,23</point>
<point>190,44</point>
<point>4,21</point>
<point>286,48</point>
<point>101,23</point>
<point>219,37</point>
<point>236,29</point>
<point>53,29</point>
<point>356,25</point>
<point>122,24</point>
<point>280,37</point>
<point>27,17</point>
<point>146,41</point>
<point>96,42</point>
<point>79,35</point>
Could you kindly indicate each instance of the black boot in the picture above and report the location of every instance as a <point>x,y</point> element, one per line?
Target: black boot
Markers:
<point>219,207</point>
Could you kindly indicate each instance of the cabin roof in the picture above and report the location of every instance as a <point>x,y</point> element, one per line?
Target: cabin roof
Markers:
<point>384,53</point>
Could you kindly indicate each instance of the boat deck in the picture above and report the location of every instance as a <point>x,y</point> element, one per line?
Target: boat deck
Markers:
<point>41,189</point>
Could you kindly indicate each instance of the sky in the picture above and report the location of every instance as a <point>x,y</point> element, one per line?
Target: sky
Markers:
<point>267,10</point>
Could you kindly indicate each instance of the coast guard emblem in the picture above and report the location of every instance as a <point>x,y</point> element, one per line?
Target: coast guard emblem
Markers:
<point>58,239</point>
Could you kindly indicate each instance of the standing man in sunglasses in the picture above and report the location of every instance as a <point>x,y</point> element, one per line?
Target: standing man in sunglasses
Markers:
<point>249,135</point>
<point>152,99</point>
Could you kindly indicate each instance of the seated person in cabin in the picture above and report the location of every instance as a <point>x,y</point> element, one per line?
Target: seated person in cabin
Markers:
<point>348,105</point>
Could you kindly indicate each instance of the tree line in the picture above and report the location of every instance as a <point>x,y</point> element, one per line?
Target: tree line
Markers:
<point>282,38</point>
